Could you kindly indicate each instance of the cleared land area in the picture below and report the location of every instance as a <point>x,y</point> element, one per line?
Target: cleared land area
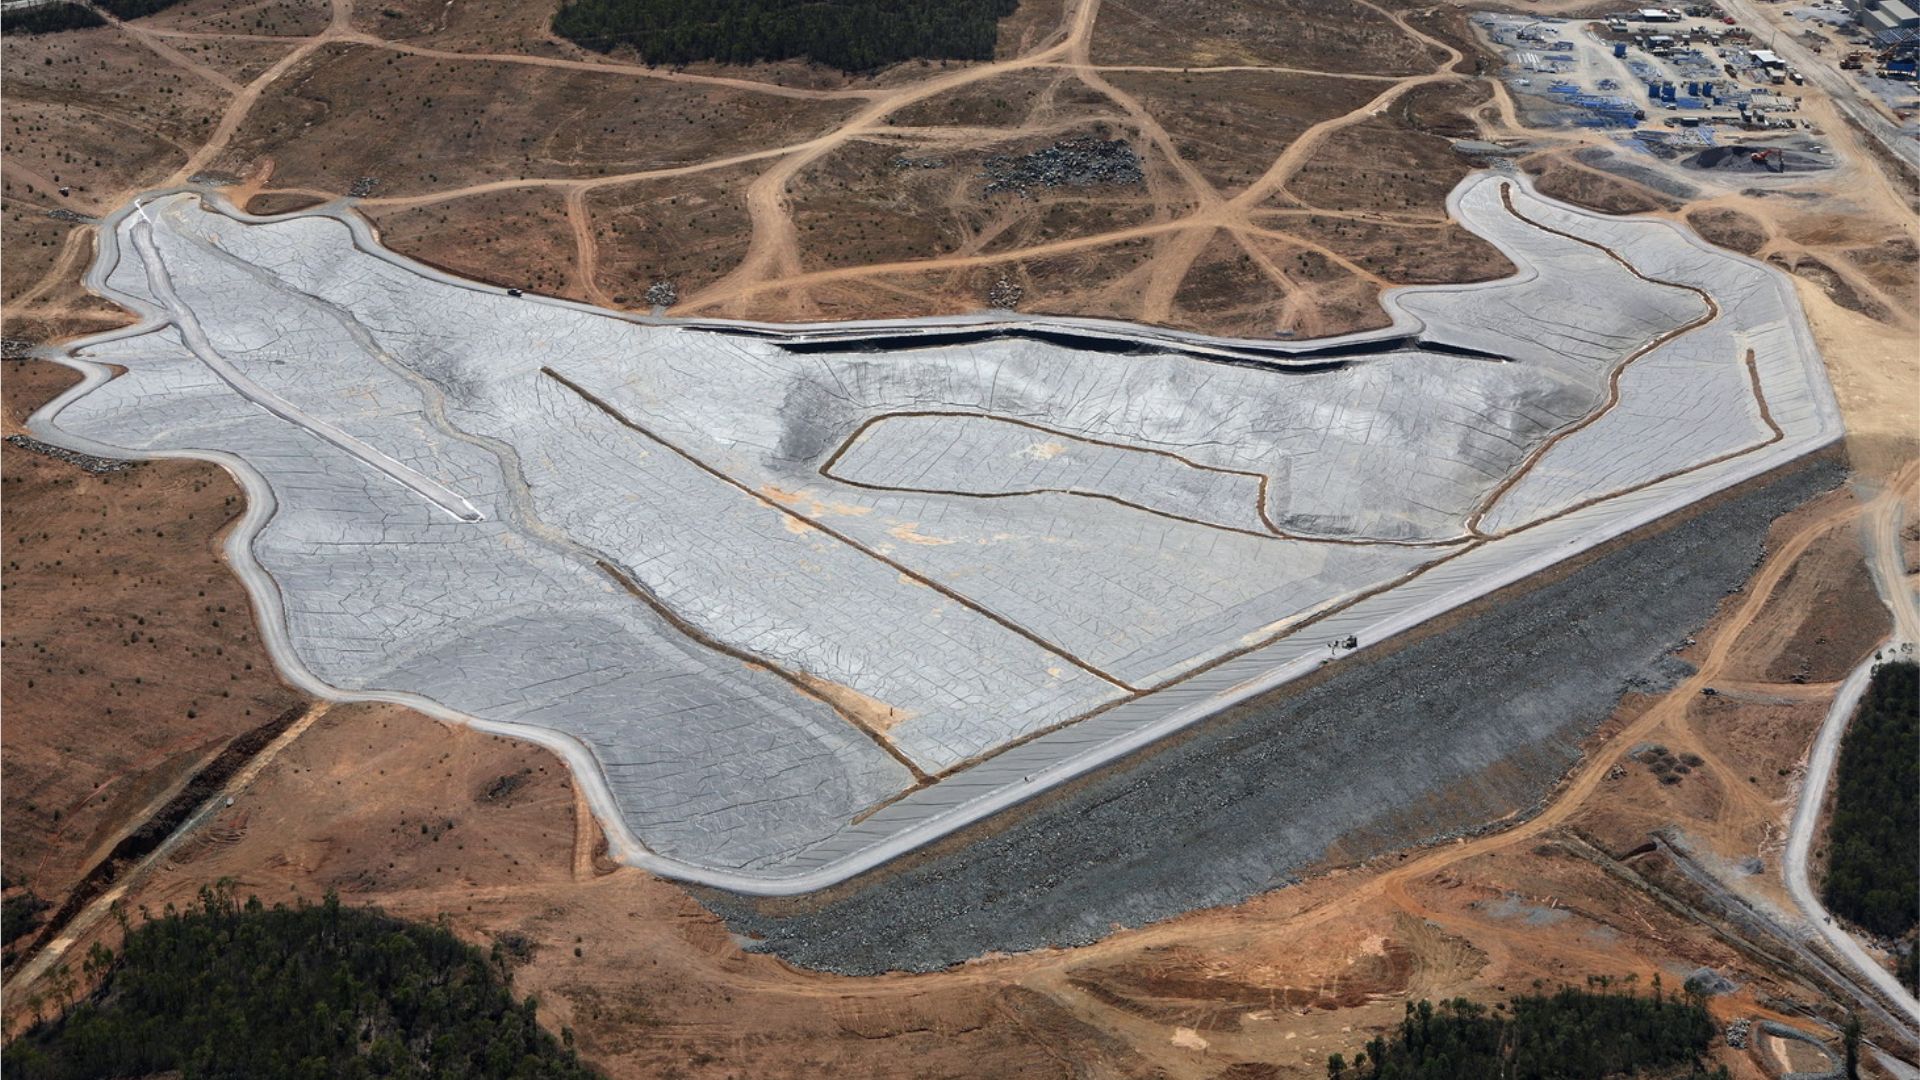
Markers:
<point>131,654</point>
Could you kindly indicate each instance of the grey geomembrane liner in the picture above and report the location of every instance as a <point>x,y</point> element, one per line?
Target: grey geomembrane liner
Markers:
<point>756,581</point>
<point>969,454</point>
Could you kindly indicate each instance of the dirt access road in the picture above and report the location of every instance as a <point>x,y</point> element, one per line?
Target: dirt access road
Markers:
<point>1884,516</point>
<point>771,279</point>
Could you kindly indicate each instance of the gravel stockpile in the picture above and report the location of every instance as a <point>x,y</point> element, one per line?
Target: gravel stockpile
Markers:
<point>1738,157</point>
<point>1083,162</point>
<point>1385,752</point>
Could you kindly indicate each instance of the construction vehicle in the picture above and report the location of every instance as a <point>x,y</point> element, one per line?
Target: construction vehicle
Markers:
<point>1772,158</point>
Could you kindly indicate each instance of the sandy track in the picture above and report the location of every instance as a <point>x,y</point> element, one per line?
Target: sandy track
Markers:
<point>243,102</point>
<point>1883,516</point>
<point>167,52</point>
<point>89,916</point>
<point>772,264</point>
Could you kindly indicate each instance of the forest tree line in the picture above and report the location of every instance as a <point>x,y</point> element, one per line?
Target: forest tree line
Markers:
<point>852,35</point>
<point>1569,1035</point>
<point>1873,865</point>
<point>50,19</point>
<point>241,990</point>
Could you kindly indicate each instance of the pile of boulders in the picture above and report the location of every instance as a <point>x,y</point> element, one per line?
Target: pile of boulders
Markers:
<point>1737,1033</point>
<point>63,214</point>
<point>1004,295</point>
<point>72,457</point>
<point>363,187</point>
<point>662,294</point>
<point>902,161</point>
<point>1708,982</point>
<point>1082,162</point>
<point>13,348</point>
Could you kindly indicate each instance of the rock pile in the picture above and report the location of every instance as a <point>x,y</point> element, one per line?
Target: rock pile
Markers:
<point>1709,982</point>
<point>72,457</point>
<point>902,161</point>
<point>662,294</point>
<point>1004,294</point>
<point>1083,162</point>
<point>1737,1033</point>
<point>363,187</point>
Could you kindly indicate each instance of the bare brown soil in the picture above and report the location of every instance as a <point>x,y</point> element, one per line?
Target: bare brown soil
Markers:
<point>1822,621</point>
<point>1232,125</point>
<point>473,26</point>
<point>1836,286</point>
<point>96,113</point>
<point>486,237</point>
<point>1403,254</point>
<point>33,242</point>
<point>476,103</point>
<point>1729,228</point>
<point>1002,103</point>
<point>241,59</point>
<point>1892,263</point>
<point>688,231</point>
<point>130,650</point>
<point>263,18</point>
<point>1398,163</point>
<point>424,124</point>
<point>1226,288</point>
<point>1561,178</point>
<point>285,202</point>
<point>107,107</point>
<point>1340,35</point>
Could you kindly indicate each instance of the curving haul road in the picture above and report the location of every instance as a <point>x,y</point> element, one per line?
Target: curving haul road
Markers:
<point>1884,537</point>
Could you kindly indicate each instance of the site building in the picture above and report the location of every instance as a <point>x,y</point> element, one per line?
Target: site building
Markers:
<point>1880,16</point>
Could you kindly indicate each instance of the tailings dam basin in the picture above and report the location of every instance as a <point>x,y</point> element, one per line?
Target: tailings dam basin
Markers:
<point>796,601</point>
